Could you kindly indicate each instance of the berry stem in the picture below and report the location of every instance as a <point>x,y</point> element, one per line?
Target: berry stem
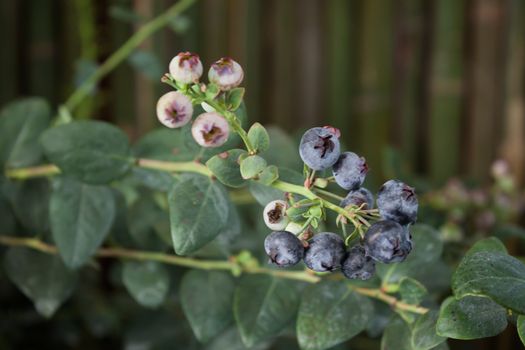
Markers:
<point>328,194</point>
<point>227,265</point>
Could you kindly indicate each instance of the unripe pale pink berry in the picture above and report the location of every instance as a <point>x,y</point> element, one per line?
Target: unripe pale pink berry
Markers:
<point>226,74</point>
<point>210,130</point>
<point>174,109</point>
<point>186,68</point>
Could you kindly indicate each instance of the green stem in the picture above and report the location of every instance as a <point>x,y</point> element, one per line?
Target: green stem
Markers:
<point>227,265</point>
<point>124,51</point>
<point>328,194</point>
<point>36,171</point>
<point>173,167</point>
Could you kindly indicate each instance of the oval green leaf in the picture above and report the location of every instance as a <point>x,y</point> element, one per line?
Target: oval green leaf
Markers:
<point>41,277</point>
<point>424,334</point>
<point>90,151</point>
<point>263,305</point>
<point>252,166</point>
<point>225,167</point>
<point>207,299</point>
<point>198,210</point>
<point>21,123</point>
<point>148,282</point>
<point>259,137</point>
<point>470,317</point>
<point>331,313</point>
<point>494,274</point>
<point>81,216</point>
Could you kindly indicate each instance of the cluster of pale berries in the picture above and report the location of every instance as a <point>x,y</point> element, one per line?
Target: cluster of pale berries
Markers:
<point>175,109</point>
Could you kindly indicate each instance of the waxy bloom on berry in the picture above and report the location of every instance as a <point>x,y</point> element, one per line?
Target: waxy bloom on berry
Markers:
<point>210,130</point>
<point>174,109</point>
<point>186,68</point>
<point>226,74</point>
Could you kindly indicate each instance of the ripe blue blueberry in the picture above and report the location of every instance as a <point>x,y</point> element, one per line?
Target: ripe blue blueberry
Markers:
<point>210,130</point>
<point>350,171</point>
<point>388,242</point>
<point>359,197</point>
<point>358,265</point>
<point>319,147</point>
<point>397,201</point>
<point>325,252</point>
<point>283,248</point>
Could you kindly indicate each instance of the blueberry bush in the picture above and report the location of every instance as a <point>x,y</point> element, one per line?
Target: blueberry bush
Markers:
<point>248,235</point>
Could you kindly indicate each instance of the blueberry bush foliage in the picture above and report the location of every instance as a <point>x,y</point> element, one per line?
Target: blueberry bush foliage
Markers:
<point>248,234</point>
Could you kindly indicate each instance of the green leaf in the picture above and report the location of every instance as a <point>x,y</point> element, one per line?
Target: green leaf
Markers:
<point>521,328</point>
<point>492,244</point>
<point>470,317</point>
<point>212,90</point>
<point>90,151</point>
<point>231,340</point>
<point>234,98</point>
<point>225,167</point>
<point>198,212</point>
<point>153,179</point>
<point>81,216</point>
<point>396,336</point>
<point>263,305</point>
<point>21,123</point>
<point>30,200</point>
<point>427,249</point>
<point>264,194</point>
<point>142,217</point>
<point>167,144</point>
<point>148,282</point>
<point>269,175</point>
<point>412,291</point>
<point>424,332</point>
<point>252,166</point>
<point>331,313</point>
<point>259,137</point>
<point>494,274</point>
<point>41,277</point>
<point>207,299</point>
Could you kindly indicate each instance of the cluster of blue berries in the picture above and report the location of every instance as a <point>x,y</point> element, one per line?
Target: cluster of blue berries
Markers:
<point>387,240</point>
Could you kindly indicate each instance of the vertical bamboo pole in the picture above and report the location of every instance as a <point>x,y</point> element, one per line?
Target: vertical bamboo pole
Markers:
<point>253,79</point>
<point>485,86</point>
<point>341,63</point>
<point>513,144</point>
<point>446,90</point>
<point>144,97</point>
<point>9,55</point>
<point>310,64</point>
<point>40,22</point>
<point>410,36</point>
<point>375,81</point>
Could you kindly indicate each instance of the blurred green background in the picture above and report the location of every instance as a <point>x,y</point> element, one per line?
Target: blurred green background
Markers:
<point>428,88</point>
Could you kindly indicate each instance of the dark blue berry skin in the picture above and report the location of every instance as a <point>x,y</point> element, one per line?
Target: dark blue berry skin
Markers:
<point>397,201</point>
<point>283,248</point>
<point>350,171</point>
<point>387,242</point>
<point>319,148</point>
<point>358,265</point>
<point>325,252</point>
<point>359,197</point>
